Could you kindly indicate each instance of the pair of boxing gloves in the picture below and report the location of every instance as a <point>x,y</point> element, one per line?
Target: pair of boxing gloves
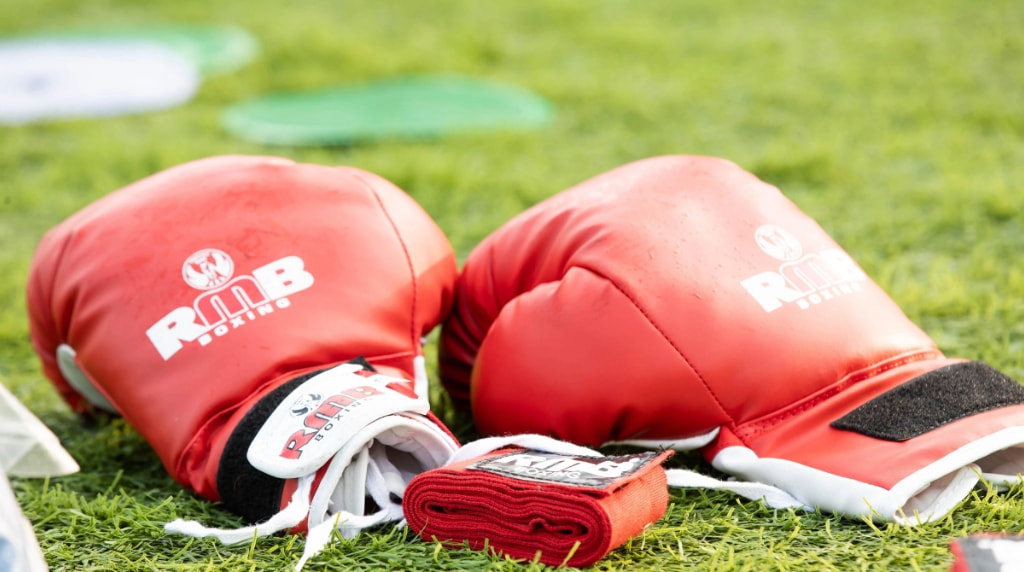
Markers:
<point>260,323</point>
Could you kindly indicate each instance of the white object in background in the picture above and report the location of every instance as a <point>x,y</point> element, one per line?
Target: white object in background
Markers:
<point>48,79</point>
<point>27,447</point>
<point>19,549</point>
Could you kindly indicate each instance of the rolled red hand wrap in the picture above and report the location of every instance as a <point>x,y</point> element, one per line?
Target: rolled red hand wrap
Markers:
<point>524,502</point>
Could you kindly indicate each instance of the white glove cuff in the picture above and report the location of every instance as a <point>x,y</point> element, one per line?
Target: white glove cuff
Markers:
<point>377,463</point>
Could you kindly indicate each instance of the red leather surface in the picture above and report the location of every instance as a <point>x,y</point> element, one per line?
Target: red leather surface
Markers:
<point>640,305</point>
<point>375,273</point>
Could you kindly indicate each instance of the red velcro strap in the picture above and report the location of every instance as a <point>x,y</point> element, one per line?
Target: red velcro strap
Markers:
<point>571,510</point>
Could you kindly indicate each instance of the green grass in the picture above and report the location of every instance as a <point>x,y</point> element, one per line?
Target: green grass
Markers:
<point>898,125</point>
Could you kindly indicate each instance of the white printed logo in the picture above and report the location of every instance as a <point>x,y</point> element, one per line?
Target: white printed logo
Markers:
<point>226,303</point>
<point>778,242</point>
<point>326,411</point>
<point>207,269</point>
<point>591,472</point>
<point>804,280</point>
<point>573,467</point>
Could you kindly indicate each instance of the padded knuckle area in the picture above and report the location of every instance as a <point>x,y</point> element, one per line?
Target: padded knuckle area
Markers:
<point>575,358</point>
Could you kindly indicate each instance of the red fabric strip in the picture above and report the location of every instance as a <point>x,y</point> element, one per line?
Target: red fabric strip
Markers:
<point>520,518</point>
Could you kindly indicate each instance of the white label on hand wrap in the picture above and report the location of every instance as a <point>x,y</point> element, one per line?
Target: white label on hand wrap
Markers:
<point>544,467</point>
<point>316,419</point>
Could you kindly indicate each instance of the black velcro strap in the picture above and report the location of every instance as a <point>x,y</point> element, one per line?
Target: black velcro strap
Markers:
<point>244,489</point>
<point>932,400</point>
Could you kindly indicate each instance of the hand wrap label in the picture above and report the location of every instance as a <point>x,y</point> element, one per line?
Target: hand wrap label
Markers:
<point>541,466</point>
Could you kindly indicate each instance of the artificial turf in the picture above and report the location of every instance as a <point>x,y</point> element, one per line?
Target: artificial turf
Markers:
<point>899,126</point>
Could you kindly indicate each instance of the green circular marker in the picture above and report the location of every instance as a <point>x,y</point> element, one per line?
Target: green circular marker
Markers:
<point>215,49</point>
<point>413,107</point>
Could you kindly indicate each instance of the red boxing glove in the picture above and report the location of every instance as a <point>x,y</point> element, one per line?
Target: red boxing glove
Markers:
<point>219,305</point>
<point>681,302</point>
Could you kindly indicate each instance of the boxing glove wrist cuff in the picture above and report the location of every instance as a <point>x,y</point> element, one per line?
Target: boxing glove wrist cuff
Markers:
<point>941,430</point>
<point>352,439</point>
<point>925,495</point>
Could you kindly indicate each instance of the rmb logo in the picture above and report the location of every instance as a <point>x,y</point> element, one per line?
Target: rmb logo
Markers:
<point>228,302</point>
<point>322,417</point>
<point>804,280</point>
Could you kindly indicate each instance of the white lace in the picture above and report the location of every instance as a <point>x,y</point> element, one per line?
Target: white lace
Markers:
<point>369,473</point>
<point>771,495</point>
<point>526,441</point>
<point>361,468</point>
<point>289,517</point>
